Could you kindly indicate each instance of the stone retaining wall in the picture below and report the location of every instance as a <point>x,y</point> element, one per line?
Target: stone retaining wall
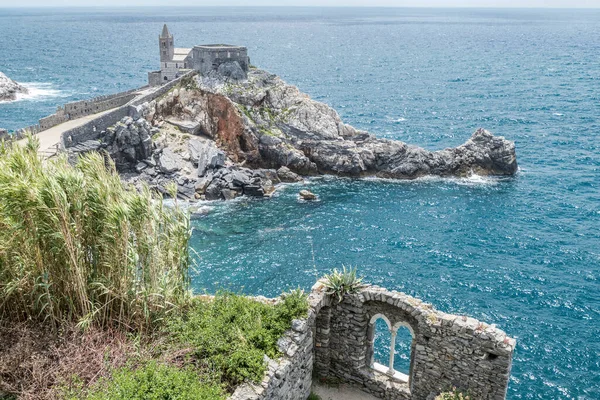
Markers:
<point>163,89</point>
<point>92,129</point>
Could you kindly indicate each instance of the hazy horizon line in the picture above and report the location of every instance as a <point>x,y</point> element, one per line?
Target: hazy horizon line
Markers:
<point>303,6</point>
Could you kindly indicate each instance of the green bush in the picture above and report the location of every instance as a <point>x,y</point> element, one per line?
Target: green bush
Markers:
<point>454,394</point>
<point>231,334</point>
<point>156,382</point>
<point>340,283</point>
<point>78,246</point>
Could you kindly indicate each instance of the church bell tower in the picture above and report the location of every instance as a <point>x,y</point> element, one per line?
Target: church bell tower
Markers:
<point>165,43</point>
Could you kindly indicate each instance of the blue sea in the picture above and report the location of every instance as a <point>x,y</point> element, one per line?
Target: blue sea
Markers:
<point>523,253</point>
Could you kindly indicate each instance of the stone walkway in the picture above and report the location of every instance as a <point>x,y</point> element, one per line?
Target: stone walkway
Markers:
<point>340,392</point>
<point>50,138</point>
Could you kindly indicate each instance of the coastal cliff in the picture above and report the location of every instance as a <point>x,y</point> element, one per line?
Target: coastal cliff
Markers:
<point>9,89</point>
<point>219,137</point>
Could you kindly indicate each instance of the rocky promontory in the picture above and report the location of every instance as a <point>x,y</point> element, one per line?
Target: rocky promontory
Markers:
<point>9,89</point>
<point>218,138</point>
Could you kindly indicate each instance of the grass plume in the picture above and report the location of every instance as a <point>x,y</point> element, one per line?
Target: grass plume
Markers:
<point>77,245</point>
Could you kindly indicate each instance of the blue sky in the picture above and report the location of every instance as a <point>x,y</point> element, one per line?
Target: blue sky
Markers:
<point>386,3</point>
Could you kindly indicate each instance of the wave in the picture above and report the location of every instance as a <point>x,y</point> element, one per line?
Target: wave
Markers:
<point>471,180</point>
<point>39,91</point>
<point>396,120</point>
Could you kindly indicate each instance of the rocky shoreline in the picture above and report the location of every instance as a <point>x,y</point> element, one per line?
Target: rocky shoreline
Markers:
<point>9,89</point>
<point>219,138</point>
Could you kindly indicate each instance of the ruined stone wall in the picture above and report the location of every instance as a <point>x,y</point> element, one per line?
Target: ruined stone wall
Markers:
<point>290,377</point>
<point>446,350</point>
<point>335,343</point>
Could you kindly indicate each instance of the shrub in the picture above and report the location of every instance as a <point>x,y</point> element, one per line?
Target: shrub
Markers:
<point>231,334</point>
<point>156,382</point>
<point>76,245</point>
<point>453,394</point>
<point>340,283</point>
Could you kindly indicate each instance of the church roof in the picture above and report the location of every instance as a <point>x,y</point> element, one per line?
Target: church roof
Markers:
<point>165,32</point>
<point>181,54</point>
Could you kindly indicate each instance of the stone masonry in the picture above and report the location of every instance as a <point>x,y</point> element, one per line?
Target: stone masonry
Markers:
<point>446,351</point>
<point>228,60</point>
<point>335,344</point>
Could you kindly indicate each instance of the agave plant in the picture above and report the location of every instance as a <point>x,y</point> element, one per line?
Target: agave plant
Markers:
<point>340,283</point>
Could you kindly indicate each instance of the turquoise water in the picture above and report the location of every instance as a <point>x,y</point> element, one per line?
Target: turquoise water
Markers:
<point>523,253</point>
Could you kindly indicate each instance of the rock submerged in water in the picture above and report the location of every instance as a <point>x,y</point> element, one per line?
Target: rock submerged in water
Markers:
<point>307,195</point>
<point>9,89</point>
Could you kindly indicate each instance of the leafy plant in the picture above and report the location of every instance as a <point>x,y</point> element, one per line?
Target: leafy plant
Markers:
<point>313,396</point>
<point>156,382</point>
<point>340,283</point>
<point>76,245</point>
<point>454,394</point>
<point>230,334</point>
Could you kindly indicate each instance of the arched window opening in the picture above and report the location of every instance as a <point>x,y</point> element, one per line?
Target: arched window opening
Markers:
<point>390,347</point>
<point>403,349</point>
<point>382,343</point>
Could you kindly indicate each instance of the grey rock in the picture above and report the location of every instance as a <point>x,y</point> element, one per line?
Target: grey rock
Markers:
<point>208,156</point>
<point>229,194</point>
<point>192,127</point>
<point>216,159</point>
<point>286,175</point>
<point>254,191</point>
<point>307,195</point>
<point>140,167</point>
<point>241,177</point>
<point>9,89</point>
<point>299,325</point>
<point>168,161</point>
<point>195,147</point>
<point>231,70</point>
<point>315,140</point>
<point>214,188</point>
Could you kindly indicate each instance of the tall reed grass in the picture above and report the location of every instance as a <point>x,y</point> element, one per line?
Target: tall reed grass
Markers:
<point>76,245</point>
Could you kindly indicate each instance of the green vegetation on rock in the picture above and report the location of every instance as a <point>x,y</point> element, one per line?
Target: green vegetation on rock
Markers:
<point>155,381</point>
<point>340,283</point>
<point>80,251</point>
<point>231,334</point>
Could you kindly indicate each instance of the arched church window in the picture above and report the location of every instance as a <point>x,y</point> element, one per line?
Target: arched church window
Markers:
<point>403,349</point>
<point>390,347</point>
